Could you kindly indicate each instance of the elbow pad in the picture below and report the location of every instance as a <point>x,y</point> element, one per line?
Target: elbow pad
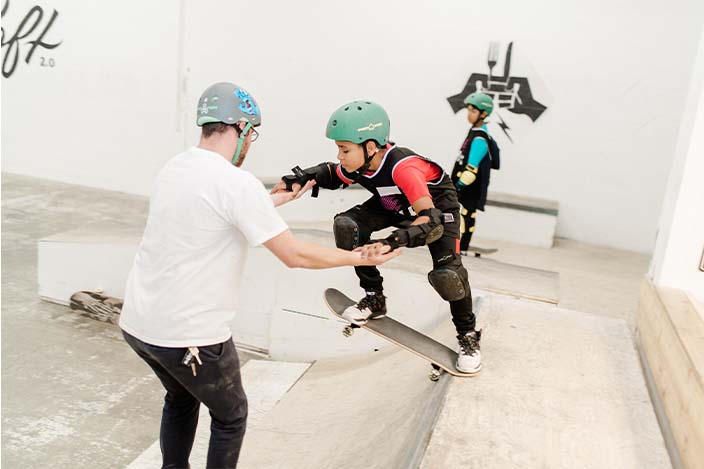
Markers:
<point>467,177</point>
<point>417,235</point>
<point>324,175</point>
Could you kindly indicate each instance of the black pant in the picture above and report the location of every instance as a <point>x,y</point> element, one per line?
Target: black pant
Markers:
<point>371,216</point>
<point>468,214</point>
<point>218,385</point>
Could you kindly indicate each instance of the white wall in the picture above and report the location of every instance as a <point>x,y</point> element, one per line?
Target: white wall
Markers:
<point>613,75</point>
<point>680,243</point>
<point>106,114</point>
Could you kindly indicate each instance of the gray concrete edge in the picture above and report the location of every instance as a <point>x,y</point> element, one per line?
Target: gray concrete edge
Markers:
<point>418,443</point>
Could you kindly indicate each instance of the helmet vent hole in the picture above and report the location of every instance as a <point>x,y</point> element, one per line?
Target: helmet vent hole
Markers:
<point>347,108</point>
<point>359,108</point>
<point>334,123</point>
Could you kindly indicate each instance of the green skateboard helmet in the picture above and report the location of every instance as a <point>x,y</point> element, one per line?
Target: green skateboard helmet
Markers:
<point>481,101</point>
<point>358,122</point>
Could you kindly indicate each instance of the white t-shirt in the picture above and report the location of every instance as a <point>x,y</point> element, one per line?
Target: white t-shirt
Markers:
<point>184,284</point>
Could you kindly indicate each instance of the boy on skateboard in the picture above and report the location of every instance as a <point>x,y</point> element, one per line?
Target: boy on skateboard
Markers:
<point>471,171</point>
<point>409,192</point>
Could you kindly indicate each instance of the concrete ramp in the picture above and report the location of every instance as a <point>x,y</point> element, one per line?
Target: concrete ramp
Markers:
<point>493,276</point>
<point>374,411</point>
<point>559,389</point>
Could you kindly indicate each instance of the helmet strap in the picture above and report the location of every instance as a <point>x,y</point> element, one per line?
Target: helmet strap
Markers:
<point>240,142</point>
<point>367,163</point>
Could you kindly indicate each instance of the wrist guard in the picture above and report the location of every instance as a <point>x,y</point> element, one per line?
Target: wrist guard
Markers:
<point>416,235</point>
<point>324,175</point>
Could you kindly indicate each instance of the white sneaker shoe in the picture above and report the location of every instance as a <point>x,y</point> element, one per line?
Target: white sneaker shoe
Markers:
<point>355,315</point>
<point>372,306</point>
<point>469,359</point>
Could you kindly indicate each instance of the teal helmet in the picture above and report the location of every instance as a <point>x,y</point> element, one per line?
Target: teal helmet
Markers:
<point>481,101</point>
<point>227,103</point>
<point>358,122</point>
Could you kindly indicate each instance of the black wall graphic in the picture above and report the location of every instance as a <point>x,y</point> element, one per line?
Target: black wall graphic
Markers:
<point>509,92</point>
<point>30,35</point>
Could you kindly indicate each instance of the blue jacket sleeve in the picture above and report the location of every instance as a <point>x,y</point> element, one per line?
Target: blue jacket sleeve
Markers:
<point>478,151</point>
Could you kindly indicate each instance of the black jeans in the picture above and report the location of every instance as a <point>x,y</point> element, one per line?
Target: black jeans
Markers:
<point>218,385</point>
<point>371,216</point>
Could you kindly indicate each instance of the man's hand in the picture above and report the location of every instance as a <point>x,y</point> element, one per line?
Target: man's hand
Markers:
<point>279,187</point>
<point>281,197</point>
<point>377,253</point>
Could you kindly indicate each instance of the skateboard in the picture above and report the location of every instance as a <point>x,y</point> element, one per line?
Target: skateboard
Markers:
<point>479,251</point>
<point>441,357</point>
<point>97,306</point>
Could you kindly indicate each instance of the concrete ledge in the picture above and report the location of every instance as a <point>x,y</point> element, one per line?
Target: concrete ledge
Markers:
<point>523,203</point>
<point>671,340</point>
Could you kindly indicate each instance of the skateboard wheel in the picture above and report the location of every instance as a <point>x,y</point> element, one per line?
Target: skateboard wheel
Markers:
<point>434,375</point>
<point>477,254</point>
<point>347,331</point>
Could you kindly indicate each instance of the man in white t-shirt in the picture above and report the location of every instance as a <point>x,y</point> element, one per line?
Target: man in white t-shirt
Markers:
<point>182,290</point>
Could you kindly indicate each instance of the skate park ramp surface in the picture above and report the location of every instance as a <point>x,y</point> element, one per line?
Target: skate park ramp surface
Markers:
<point>559,389</point>
<point>497,277</point>
<point>372,411</point>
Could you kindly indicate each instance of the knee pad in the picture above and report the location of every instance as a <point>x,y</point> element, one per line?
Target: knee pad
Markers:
<point>346,232</point>
<point>449,283</point>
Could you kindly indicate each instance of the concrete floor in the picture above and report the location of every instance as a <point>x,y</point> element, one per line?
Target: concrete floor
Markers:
<point>74,395</point>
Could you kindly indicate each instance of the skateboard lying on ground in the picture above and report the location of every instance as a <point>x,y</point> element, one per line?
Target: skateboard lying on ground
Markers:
<point>441,357</point>
<point>97,306</point>
<point>479,251</point>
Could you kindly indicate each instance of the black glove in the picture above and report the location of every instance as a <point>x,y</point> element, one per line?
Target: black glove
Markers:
<point>301,177</point>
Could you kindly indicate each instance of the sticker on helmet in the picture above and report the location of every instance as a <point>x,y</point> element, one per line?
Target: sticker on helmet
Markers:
<point>370,127</point>
<point>204,108</point>
<point>247,105</point>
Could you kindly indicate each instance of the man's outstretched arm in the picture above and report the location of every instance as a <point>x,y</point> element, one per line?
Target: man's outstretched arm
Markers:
<point>298,253</point>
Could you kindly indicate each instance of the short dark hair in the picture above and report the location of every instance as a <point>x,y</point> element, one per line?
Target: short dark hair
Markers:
<point>217,128</point>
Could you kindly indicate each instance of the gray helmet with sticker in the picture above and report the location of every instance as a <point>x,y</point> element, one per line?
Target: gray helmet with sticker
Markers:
<point>227,103</point>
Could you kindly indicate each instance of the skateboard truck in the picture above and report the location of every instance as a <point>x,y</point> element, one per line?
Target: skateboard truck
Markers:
<point>349,330</point>
<point>435,373</point>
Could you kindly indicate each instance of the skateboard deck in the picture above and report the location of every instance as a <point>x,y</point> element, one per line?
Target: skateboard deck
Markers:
<point>97,306</point>
<point>479,251</point>
<point>439,355</point>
